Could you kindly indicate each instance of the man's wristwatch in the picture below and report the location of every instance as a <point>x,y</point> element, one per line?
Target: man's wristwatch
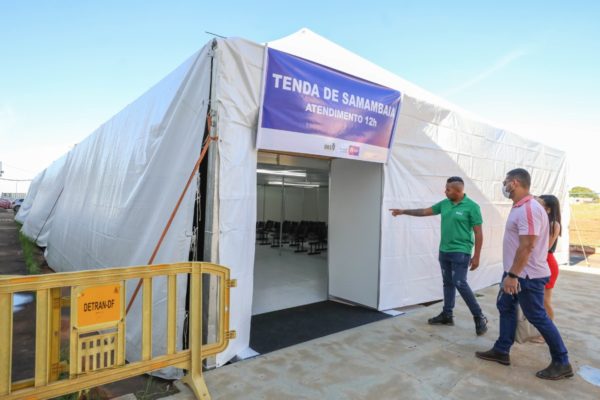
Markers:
<point>515,276</point>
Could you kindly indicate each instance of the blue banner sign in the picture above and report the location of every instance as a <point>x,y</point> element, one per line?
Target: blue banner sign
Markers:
<point>308,108</point>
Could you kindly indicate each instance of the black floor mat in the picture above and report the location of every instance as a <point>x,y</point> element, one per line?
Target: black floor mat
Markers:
<point>278,329</point>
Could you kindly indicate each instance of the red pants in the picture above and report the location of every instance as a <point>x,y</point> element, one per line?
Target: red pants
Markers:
<point>553,271</point>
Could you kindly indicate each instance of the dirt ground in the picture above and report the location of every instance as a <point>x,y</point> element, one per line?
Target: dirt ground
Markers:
<point>12,263</point>
<point>11,256</point>
<point>585,224</point>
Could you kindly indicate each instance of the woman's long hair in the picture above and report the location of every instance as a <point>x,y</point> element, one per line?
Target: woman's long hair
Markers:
<point>551,202</point>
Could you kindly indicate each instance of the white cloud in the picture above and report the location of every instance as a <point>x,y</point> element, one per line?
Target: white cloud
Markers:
<point>497,66</point>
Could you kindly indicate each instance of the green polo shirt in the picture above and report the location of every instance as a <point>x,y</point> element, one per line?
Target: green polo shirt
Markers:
<point>458,221</point>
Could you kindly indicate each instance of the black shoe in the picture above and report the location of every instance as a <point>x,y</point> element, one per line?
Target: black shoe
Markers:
<point>493,355</point>
<point>480,325</point>
<point>441,319</point>
<point>556,371</point>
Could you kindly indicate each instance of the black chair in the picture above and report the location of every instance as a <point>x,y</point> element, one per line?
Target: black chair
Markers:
<point>275,237</point>
<point>300,237</point>
<point>263,233</point>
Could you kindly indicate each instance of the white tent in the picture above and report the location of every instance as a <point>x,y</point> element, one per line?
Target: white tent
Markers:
<point>37,223</point>
<point>122,182</point>
<point>28,202</point>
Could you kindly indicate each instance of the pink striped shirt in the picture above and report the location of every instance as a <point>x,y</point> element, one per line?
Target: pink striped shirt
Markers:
<point>527,217</point>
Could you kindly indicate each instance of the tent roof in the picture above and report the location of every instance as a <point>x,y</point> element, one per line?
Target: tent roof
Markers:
<point>311,46</point>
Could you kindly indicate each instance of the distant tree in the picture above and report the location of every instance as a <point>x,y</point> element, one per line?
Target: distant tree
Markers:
<point>582,191</point>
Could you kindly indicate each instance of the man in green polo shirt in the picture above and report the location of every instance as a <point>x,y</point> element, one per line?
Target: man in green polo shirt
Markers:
<point>461,231</point>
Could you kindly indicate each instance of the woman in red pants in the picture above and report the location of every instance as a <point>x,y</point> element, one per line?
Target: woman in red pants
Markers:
<point>552,206</point>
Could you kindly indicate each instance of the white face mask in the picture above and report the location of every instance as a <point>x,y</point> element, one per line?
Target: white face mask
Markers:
<point>506,192</point>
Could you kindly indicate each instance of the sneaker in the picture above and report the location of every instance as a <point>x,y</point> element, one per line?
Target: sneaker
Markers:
<point>480,325</point>
<point>556,371</point>
<point>441,319</point>
<point>493,355</point>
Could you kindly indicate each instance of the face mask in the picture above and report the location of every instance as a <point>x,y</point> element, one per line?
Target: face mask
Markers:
<point>506,192</point>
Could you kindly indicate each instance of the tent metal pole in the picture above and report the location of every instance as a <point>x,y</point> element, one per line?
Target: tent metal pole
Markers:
<point>264,215</point>
<point>282,213</point>
<point>318,201</point>
<point>211,214</point>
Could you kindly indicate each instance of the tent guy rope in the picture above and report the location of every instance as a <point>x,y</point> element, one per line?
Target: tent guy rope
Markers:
<point>205,147</point>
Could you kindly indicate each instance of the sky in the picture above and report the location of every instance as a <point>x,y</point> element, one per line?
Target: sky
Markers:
<point>531,67</point>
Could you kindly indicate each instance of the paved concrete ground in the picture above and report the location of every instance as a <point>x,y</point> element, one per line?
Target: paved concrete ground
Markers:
<point>405,358</point>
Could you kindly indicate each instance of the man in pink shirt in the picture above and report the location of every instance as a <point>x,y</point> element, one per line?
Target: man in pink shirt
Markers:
<point>526,274</point>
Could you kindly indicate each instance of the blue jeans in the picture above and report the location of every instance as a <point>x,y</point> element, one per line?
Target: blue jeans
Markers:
<point>454,275</point>
<point>531,298</point>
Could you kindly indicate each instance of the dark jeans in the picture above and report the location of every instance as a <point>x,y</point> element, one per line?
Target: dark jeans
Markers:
<point>531,298</point>
<point>454,274</point>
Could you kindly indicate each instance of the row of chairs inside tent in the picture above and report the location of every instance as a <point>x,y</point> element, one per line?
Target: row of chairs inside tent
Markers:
<point>295,234</point>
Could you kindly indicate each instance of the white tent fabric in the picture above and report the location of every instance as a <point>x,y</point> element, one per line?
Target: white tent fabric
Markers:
<point>121,183</point>
<point>38,223</point>
<point>423,157</point>
<point>436,139</point>
<point>120,186</point>
<point>239,73</point>
<point>28,202</point>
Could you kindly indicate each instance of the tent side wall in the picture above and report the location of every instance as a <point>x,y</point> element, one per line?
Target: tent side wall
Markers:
<point>239,75</point>
<point>121,185</point>
<point>38,223</point>
<point>30,198</point>
<point>433,143</point>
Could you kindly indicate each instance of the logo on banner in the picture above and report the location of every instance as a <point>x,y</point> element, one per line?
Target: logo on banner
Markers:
<point>305,105</point>
<point>354,151</point>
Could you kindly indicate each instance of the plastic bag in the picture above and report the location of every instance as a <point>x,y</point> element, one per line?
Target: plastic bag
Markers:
<point>525,329</point>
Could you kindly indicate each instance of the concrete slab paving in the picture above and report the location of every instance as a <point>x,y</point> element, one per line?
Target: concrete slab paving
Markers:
<point>404,358</point>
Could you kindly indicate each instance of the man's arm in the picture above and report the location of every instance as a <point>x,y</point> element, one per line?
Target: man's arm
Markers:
<point>509,284</point>
<point>478,244</point>
<point>419,212</point>
<point>526,246</point>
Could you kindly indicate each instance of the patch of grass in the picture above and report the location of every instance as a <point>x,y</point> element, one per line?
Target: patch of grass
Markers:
<point>585,224</point>
<point>29,250</point>
<point>155,389</point>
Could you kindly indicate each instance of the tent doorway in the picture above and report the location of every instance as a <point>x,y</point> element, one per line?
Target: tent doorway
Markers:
<point>291,262</point>
<point>317,243</point>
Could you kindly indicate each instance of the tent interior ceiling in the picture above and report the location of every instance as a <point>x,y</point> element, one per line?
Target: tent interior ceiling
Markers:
<point>276,175</point>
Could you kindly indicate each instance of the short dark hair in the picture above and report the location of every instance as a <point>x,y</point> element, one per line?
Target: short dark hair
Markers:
<point>453,179</point>
<point>521,175</point>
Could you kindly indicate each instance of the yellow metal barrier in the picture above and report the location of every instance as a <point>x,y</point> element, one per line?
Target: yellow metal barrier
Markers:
<point>97,334</point>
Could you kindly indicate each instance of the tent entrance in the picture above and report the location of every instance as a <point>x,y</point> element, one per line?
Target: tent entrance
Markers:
<point>291,262</point>
<point>317,242</point>
<point>318,232</point>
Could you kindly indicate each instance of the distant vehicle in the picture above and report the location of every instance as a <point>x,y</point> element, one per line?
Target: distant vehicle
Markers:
<point>16,204</point>
<point>5,203</point>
